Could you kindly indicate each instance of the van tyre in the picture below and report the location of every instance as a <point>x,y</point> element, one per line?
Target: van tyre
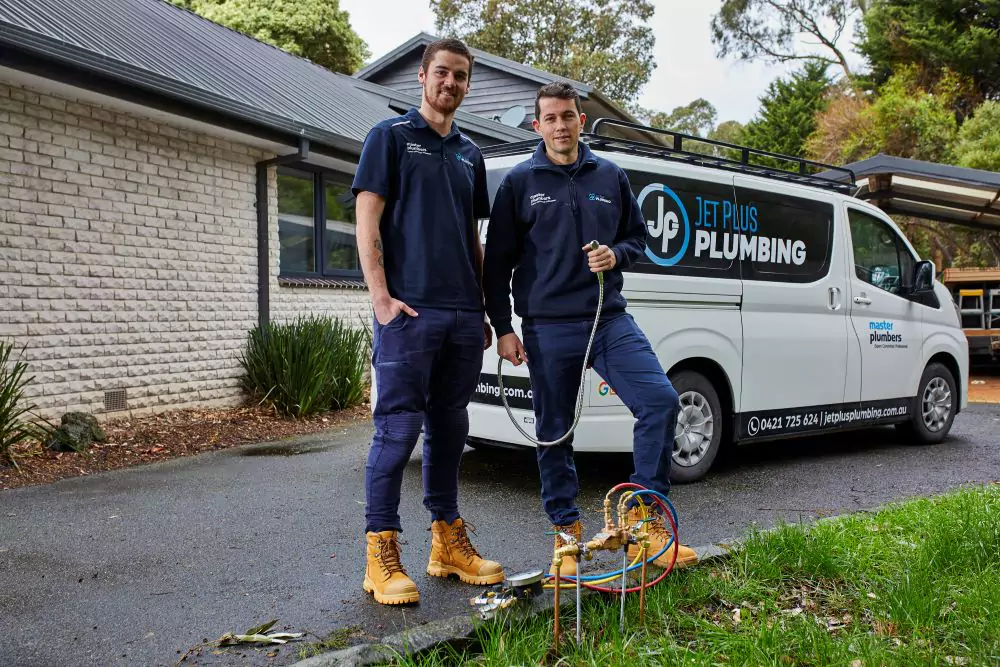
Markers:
<point>698,435</point>
<point>933,409</point>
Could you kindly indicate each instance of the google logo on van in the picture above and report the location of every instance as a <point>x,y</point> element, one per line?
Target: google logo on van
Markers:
<point>604,389</point>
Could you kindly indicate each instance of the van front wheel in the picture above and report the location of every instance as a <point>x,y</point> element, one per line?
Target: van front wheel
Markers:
<point>934,407</point>
<point>698,433</point>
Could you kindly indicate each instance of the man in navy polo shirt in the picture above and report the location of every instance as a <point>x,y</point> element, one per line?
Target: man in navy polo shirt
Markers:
<point>545,213</point>
<point>421,189</point>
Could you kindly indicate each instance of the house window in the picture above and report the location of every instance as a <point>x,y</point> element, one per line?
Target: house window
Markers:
<point>316,224</point>
<point>340,246</point>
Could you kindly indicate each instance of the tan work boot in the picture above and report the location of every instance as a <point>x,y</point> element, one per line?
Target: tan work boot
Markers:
<point>452,553</point>
<point>384,573</point>
<point>568,567</point>
<point>659,535</point>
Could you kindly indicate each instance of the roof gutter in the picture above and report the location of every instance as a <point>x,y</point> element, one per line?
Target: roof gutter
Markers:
<point>263,231</point>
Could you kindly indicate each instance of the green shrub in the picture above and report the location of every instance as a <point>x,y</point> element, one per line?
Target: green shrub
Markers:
<point>14,427</point>
<point>306,366</point>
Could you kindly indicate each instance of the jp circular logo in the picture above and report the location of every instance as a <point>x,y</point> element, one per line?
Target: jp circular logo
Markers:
<point>664,224</point>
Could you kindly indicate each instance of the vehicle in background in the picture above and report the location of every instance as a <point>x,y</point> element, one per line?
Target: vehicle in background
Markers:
<point>779,305</point>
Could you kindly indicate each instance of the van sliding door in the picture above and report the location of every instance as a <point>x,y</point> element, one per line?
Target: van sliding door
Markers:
<point>795,315</point>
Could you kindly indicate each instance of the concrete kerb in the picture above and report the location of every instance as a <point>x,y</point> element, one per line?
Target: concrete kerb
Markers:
<point>460,629</point>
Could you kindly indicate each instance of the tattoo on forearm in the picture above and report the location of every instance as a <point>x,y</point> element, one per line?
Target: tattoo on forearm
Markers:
<point>378,252</point>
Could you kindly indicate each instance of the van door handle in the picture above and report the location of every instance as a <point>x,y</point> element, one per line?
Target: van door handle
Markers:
<point>834,299</point>
<point>862,300</point>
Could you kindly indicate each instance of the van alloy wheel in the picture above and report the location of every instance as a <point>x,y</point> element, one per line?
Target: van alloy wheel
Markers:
<point>936,404</point>
<point>695,428</point>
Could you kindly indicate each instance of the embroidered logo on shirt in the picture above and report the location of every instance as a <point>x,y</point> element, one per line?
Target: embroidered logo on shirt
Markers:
<point>541,198</point>
<point>465,160</point>
<point>596,197</point>
<point>413,147</point>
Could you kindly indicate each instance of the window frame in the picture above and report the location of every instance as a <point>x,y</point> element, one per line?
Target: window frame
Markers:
<point>321,178</point>
<point>898,242</point>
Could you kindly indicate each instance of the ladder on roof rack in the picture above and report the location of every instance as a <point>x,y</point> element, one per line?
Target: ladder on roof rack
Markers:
<point>676,151</point>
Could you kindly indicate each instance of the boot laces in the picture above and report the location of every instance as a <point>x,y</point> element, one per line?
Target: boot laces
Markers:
<point>460,538</point>
<point>389,557</point>
<point>658,528</point>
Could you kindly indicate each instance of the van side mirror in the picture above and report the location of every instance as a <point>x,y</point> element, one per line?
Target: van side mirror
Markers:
<point>923,278</point>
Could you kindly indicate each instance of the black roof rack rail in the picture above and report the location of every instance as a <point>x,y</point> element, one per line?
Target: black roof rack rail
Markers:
<point>676,152</point>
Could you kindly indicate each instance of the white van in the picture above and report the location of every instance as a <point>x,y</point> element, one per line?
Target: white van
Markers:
<point>778,304</point>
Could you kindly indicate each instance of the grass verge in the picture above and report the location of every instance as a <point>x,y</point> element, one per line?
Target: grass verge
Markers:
<point>914,583</point>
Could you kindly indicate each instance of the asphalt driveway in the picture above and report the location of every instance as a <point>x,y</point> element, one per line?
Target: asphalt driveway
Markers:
<point>135,566</point>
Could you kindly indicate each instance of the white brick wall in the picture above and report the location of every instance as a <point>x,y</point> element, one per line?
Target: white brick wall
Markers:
<point>128,256</point>
<point>350,305</point>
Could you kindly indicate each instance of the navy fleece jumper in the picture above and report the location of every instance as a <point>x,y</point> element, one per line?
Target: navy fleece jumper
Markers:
<point>542,216</point>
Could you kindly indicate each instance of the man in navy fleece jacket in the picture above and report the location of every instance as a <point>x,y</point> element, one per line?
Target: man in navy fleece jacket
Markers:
<point>546,211</point>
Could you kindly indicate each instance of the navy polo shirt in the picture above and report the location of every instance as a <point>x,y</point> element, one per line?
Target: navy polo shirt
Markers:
<point>435,192</point>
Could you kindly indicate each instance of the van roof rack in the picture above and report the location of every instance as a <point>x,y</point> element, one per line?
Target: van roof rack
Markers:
<point>798,171</point>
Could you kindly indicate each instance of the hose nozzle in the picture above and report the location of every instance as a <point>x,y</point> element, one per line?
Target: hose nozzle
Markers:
<point>594,245</point>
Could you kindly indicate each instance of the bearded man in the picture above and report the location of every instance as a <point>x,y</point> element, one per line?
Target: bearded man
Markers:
<point>420,189</point>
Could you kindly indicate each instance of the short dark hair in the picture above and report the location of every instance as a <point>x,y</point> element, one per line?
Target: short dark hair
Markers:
<point>449,44</point>
<point>559,89</point>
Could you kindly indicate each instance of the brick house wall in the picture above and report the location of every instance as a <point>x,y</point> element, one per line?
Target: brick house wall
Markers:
<point>128,256</point>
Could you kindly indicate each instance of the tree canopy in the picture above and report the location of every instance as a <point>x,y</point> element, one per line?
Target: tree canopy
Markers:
<point>935,36</point>
<point>771,30</point>
<point>787,116</point>
<point>604,43</point>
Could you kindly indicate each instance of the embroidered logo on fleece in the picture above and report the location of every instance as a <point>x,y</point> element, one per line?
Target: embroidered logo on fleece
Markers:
<point>541,198</point>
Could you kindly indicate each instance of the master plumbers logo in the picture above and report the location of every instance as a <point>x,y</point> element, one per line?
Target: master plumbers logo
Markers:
<point>716,229</point>
<point>881,334</point>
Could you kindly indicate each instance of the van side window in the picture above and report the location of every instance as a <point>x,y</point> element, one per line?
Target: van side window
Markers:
<point>788,239</point>
<point>880,258</point>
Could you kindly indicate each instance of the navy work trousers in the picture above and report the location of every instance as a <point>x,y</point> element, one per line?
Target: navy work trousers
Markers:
<point>622,355</point>
<point>426,369</point>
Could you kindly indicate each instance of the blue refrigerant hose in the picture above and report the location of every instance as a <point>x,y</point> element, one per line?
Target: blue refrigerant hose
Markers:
<point>583,373</point>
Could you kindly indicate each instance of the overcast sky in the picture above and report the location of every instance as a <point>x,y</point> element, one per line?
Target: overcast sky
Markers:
<point>686,66</point>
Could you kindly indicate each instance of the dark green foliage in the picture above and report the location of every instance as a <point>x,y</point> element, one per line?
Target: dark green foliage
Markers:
<point>787,115</point>
<point>306,366</point>
<point>14,408</point>
<point>962,36</point>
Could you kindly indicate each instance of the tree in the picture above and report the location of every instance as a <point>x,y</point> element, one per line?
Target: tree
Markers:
<point>787,115</point>
<point>607,44</point>
<point>961,36</point>
<point>317,30</point>
<point>979,139</point>
<point>903,119</point>
<point>769,29</point>
<point>696,118</point>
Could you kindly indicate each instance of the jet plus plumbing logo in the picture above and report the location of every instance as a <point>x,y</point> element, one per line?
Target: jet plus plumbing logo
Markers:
<point>668,227</point>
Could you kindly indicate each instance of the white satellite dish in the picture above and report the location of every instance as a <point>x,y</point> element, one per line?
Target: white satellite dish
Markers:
<point>513,116</point>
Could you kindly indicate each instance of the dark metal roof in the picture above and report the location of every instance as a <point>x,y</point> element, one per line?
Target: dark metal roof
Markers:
<point>155,46</point>
<point>422,39</point>
<point>928,190</point>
